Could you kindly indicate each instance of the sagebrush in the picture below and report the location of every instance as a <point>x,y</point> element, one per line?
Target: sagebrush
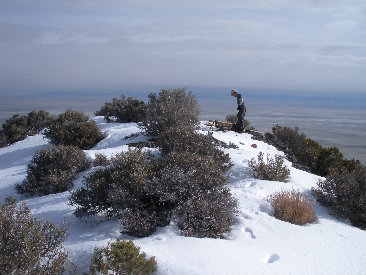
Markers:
<point>123,110</point>
<point>19,127</point>
<point>171,108</point>
<point>293,207</point>
<point>28,245</point>
<point>116,189</point>
<point>207,214</point>
<point>52,170</point>
<point>306,153</point>
<point>185,140</point>
<point>122,257</point>
<point>143,192</point>
<point>286,139</point>
<point>74,128</point>
<point>345,192</point>
<point>273,169</point>
<point>101,160</point>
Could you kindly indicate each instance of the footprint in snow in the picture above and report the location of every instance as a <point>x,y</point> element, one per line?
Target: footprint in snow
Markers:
<point>252,184</point>
<point>271,259</point>
<point>250,231</point>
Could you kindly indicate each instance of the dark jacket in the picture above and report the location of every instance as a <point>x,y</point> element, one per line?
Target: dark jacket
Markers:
<point>240,100</point>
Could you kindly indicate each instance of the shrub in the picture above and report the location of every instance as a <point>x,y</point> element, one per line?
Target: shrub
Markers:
<point>232,118</point>
<point>114,188</point>
<point>274,169</point>
<point>3,139</point>
<point>139,222</point>
<point>143,192</point>
<point>171,108</point>
<point>292,207</point>
<point>350,164</point>
<point>121,190</point>
<point>122,257</point>
<point>27,245</point>
<point>101,160</point>
<point>328,158</point>
<point>208,172</point>
<point>305,153</point>
<point>19,127</point>
<point>38,120</point>
<point>52,170</point>
<point>123,110</point>
<point>207,214</point>
<point>185,139</point>
<point>74,128</point>
<point>288,140</point>
<point>345,192</point>
<point>15,128</point>
<point>309,153</point>
<point>172,185</point>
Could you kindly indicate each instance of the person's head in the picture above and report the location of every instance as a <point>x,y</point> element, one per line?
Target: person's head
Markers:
<point>234,93</point>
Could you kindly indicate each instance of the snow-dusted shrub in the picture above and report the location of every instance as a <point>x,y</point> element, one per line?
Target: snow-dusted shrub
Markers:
<point>101,160</point>
<point>120,190</point>
<point>180,138</point>
<point>52,170</point>
<point>345,192</point>
<point>208,171</point>
<point>171,108</point>
<point>172,185</point>
<point>207,214</point>
<point>273,169</point>
<point>185,139</point>
<point>28,245</point>
<point>143,192</point>
<point>232,118</point>
<point>114,188</point>
<point>74,128</point>
<point>3,139</point>
<point>182,183</point>
<point>139,222</point>
<point>123,110</point>
<point>122,257</point>
<point>292,207</point>
<point>19,127</point>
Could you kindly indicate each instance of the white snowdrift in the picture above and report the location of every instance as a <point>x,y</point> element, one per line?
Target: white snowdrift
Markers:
<point>257,244</point>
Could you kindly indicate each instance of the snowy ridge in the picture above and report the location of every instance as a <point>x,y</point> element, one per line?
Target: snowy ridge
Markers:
<point>257,244</point>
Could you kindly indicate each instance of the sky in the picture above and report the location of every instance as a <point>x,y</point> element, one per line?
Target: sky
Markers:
<point>309,46</point>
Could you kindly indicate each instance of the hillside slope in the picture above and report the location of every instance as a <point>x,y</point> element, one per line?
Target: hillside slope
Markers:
<point>257,244</point>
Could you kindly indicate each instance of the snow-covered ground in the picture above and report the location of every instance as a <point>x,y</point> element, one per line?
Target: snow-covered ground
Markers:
<point>257,244</point>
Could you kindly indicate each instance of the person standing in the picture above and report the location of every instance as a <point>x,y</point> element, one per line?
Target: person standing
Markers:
<point>239,126</point>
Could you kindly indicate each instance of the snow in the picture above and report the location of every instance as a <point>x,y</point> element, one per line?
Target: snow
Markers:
<point>257,244</point>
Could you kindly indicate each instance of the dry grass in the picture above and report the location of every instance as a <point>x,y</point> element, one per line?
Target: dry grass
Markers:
<point>292,207</point>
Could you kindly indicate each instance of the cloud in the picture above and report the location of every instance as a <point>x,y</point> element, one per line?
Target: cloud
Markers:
<point>55,45</point>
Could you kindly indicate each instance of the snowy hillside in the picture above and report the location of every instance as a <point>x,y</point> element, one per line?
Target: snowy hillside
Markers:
<point>257,244</point>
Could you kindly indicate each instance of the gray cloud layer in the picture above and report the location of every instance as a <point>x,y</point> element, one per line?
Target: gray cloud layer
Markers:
<point>92,45</point>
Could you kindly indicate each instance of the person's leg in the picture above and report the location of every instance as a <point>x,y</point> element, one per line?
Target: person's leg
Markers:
<point>240,123</point>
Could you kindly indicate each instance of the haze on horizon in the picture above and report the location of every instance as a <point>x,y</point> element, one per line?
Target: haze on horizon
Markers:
<point>286,45</point>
